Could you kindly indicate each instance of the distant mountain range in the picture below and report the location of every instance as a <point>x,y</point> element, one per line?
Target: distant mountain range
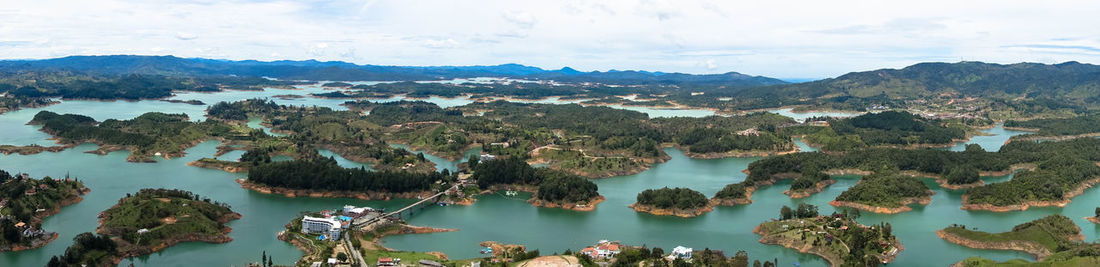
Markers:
<point>344,71</point>
<point>1071,81</point>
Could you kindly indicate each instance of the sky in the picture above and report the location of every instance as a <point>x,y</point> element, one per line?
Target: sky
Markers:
<point>775,38</point>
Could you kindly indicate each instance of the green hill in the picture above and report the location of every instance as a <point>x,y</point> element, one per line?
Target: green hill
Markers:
<point>154,219</point>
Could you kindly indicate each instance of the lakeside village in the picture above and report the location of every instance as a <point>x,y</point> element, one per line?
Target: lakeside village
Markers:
<point>350,237</point>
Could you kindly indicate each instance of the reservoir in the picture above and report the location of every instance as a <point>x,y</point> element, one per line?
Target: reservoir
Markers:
<point>492,217</point>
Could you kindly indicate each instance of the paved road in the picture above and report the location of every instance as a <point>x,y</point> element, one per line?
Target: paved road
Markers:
<point>354,252</point>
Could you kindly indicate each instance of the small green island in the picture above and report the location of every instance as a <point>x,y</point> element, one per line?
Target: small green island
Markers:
<point>883,192</point>
<point>681,202</point>
<point>838,237</point>
<point>1054,241</point>
<point>154,219</point>
<point>551,188</point>
<point>25,202</point>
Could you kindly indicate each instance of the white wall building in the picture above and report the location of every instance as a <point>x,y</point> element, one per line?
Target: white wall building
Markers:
<point>326,226</point>
<point>682,252</point>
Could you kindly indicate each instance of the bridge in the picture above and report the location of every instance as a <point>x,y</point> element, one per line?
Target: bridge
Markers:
<point>433,199</point>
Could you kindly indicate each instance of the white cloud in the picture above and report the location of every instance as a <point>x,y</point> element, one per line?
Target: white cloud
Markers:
<point>441,43</point>
<point>781,38</point>
<point>186,36</point>
<point>522,19</point>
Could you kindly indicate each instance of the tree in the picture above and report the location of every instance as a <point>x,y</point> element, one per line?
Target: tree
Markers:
<point>472,161</point>
<point>1097,212</point>
<point>657,253</point>
<point>341,256</point>
<point>740,259</point>
<point>962,175</point>
<point>11,234</point>
<point>785,213</point>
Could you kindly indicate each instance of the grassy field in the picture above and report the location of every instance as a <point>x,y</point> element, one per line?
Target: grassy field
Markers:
<point>1071,262</point>
<point>1049,232</point>
<point>166,214</point>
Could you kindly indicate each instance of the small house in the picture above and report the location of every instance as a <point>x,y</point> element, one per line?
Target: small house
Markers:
<point>388,261</point>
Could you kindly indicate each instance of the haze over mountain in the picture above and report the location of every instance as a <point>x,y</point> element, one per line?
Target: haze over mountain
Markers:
<point>1070,80</point>
<point>343,71</point>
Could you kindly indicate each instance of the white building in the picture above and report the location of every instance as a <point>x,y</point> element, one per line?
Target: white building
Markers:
<point>326,226</point>
<point>682,252</point>
<point>349,209</point>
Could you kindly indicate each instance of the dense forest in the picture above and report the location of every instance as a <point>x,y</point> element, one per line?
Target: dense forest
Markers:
<point>504,171</point>
<point>672,198</point>
<point>885,189</point>
<point>553,186</point>
<point>325,174</point>
<point>558,186</point>
<point>1060,126</point>
<point>88,250</point>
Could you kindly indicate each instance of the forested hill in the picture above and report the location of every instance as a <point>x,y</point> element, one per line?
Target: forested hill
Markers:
<point>344,71</point>
<point>1071,81</point>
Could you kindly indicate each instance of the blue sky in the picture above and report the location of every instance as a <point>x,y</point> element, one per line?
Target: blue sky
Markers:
<point>786,39</point>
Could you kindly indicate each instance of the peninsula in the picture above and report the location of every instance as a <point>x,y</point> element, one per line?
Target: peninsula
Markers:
<point>1053,240</point>
<point>838,237</point>
<point>25,202</point>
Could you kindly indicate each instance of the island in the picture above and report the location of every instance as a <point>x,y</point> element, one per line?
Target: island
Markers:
<point>25,202</point>
<point>837,238</point>
<point>680,202</point>
<point>883,192</point>
<point>551,188</point>
<point>189,102</point>
<point>154,219</point>
<point>1053,240</point>
<point>150,135</point>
